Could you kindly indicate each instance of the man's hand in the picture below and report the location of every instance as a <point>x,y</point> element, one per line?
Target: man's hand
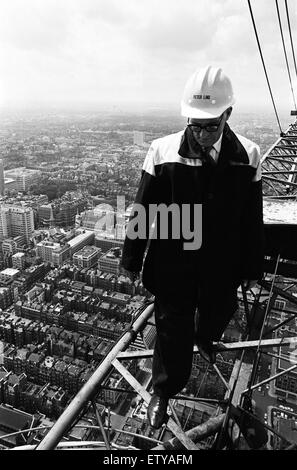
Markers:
<point>249,283</point>
<point>132,275</point>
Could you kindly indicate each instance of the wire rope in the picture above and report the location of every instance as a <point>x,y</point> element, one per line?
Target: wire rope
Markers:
<point>264,67</point>
<point>292,44</point>
<point>285,51</point>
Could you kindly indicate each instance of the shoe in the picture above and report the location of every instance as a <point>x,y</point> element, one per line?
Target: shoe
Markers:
<point>207,351</point>
<point>157,411</point>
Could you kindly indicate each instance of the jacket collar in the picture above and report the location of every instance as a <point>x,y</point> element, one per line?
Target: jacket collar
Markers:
<point>189,148</point>
<point>231,147</point>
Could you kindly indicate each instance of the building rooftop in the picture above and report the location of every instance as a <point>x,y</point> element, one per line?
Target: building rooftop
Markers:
<point>86,251</point>
<point>113,253</point>
<point>34,357</point>
<point>18,255</point>
<point>60,366</point>
<point>15,419</point>
<point>79,238</point>
<point>49,244</point>
<point>13,379</point>
<point>20,171</point>
<point>9,272</point>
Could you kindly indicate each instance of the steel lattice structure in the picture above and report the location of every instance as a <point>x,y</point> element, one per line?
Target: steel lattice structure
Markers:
<point>279,169</point>
<point>279,166</point>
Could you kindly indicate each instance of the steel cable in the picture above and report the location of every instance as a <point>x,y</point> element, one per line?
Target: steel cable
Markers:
<point>285,51</point>
<point>264,67</point>
<point>292,45</point>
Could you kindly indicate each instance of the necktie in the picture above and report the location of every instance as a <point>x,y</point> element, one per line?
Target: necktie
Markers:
<point>206,157</point>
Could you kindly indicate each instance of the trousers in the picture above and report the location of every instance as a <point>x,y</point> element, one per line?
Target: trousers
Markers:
<point>179,328</point>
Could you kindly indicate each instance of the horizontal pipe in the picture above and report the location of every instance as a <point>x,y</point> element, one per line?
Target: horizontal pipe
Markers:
<point>220,347</point>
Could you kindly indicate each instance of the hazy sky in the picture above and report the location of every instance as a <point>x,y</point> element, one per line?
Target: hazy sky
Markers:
<point>89,51</point>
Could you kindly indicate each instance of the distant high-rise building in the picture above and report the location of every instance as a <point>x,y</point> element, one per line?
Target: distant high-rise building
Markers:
<point>18,261</point>
<point>45,214</point>
<point>2,183</point>
<point>61,213</point>
<point>8,275</point>
<point>9,246</point>
<point>56,253</point>
<point>110,262</point>
<point>101,220</point>
<point>87,256</point>
<point>60,255</point>
<point>24,177</point>
<point>107,243</point>
<point>66,214</point>
<point>120,231</point>
<point>138,138</point>
<point>16,221</point>
<point>52,218</point>
<point>6,298</point>
<point>10,185</point>
<point>45,250</point>
<point>4,223</point>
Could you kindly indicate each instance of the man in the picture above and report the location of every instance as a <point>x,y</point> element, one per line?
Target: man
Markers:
<point>209,166</point>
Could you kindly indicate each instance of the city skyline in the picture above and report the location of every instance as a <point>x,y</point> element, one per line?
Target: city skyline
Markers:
<point>65,301</point>
<point>76,53</point>
<point>85,87</point>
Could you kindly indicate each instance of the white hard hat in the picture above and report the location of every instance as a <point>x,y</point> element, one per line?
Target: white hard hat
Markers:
<point>207,94</point>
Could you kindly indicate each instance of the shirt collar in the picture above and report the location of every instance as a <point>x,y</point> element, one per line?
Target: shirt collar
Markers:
<point>217,145</point>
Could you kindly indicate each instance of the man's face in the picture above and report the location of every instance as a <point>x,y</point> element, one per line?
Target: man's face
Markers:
<point>208,131</point>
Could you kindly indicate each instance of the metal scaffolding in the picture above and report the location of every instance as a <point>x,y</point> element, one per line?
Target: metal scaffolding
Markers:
<point>279,165</point>
<point>241,385</point>
<point>235,414</point>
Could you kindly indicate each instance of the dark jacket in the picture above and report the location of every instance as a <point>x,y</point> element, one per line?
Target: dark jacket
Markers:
<point>232,216</point>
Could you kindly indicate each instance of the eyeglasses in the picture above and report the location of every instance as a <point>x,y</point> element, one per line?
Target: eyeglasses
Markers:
<point>209,127</point>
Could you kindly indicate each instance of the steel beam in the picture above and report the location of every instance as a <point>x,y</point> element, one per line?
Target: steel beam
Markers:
<point>197,434</point>
<point>278,158</point>
<point>278,291</point>
<point>219,347</point>
<point>279,172</point>
<point>174,428</point>
<point>286,147</point>
<point>92,385</point>
<point>276,180</point>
